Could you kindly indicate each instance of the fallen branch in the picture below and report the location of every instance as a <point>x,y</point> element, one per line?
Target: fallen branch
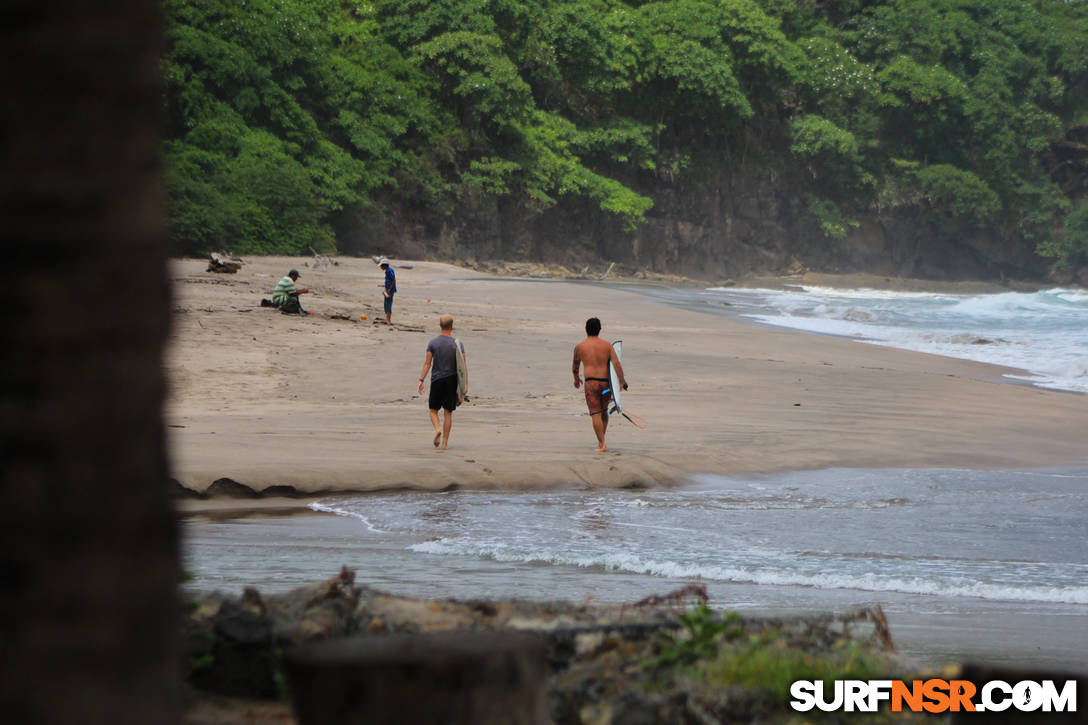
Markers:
<point>224,263</point>
<point>322,260</point>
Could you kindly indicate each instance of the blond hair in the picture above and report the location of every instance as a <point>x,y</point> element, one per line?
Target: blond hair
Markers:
<point>446,322</point>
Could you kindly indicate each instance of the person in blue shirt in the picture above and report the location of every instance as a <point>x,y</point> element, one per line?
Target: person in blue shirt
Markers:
<point>390,289</point>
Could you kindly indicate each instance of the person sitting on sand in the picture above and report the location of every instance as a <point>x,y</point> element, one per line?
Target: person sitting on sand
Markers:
<point>285,296</point>
<point>442,351</point>
<point>595,354</point>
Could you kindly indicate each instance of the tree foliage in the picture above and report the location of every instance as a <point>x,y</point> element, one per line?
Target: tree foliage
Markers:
<point>288,119</point>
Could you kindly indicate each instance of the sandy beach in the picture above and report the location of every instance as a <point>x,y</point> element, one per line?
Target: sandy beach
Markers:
<point>329,401</point>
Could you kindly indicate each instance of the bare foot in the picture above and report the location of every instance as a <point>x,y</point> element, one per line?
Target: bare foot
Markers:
<point>437,439</point>
<point>600,449</point>
<point>445,448</point>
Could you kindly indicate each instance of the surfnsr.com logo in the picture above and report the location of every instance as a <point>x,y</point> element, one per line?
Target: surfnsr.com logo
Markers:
<point>934,696</point>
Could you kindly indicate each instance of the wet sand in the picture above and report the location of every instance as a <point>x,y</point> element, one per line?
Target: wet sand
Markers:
<point>329,402</point>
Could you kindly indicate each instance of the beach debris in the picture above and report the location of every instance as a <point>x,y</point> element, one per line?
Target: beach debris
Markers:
<point>656,660</point>
<point>378,260</point>
<point>684,596</point>
<point>321,261</point>
<point>399,326</point>
<point>224,262</point>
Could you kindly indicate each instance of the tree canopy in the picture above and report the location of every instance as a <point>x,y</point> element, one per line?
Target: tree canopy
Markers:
<point>287,121</point>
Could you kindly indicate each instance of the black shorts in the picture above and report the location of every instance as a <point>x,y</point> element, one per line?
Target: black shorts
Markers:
<point>443,393</point>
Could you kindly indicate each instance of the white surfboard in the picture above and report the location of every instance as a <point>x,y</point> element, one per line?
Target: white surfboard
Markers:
<point>614,378</point>
<point>462,376</point>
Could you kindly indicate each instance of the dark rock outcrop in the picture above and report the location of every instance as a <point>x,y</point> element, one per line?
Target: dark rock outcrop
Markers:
<point>749,219</point>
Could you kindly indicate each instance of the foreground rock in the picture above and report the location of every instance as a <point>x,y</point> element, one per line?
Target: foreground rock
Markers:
<point>446,677</point>
<point>664,659</point>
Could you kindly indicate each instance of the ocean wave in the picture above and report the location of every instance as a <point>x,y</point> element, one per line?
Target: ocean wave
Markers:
<point>339,511</point>
<point>1015,304</point>
<point>874,294</point>
<point>870,582</point>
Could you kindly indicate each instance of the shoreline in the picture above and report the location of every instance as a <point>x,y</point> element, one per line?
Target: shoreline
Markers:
<point>327,403</point>
<point>739,310</point>
<point>223,507</point>
<point>933,627</point>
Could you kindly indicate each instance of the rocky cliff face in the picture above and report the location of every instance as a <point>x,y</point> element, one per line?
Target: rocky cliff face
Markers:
<point>740,221</point>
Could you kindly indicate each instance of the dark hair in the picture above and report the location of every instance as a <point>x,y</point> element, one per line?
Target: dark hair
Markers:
<point>593,326</point>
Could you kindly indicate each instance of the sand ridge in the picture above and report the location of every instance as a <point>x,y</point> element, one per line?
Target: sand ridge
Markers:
<point>329,401</point>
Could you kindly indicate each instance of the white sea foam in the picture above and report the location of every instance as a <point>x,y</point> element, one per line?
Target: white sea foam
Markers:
<point>1043,333</point>
<point>341,511</point>
<point>863,581</point>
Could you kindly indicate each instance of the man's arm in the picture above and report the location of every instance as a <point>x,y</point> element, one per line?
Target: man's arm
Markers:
<point>302,291</point>
<point>426,367</point>
<point>575,368</point>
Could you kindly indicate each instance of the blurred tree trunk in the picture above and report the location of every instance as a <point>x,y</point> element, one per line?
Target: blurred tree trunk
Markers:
<point>88,540</point>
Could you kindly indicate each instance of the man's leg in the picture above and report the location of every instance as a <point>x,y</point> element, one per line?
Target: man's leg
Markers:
<point>447,424</point>
<point>437,428</point>
<point>600,425</point>
<point>291,306</point>
<point>389,310</point>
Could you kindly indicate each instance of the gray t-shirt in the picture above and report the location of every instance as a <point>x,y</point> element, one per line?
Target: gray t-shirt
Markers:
<point>443,357</point>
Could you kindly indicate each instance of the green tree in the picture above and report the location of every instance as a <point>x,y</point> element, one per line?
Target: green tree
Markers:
<point>1070,250</point>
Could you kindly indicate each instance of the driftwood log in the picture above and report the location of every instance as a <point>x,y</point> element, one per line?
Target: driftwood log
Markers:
<point>321,261</point>
<point>223,262</point>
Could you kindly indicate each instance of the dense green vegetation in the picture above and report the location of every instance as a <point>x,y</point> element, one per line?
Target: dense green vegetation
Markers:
<point>290,121</point>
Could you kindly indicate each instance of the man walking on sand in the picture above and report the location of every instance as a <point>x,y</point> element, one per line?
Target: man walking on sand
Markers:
<point>442,353</point>
<point>595,354</point>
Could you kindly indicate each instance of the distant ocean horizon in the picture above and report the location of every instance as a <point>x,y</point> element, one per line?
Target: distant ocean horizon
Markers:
<point>1043,333</point>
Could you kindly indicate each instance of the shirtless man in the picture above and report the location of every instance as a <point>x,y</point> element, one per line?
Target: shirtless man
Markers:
<point>595,354</point>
